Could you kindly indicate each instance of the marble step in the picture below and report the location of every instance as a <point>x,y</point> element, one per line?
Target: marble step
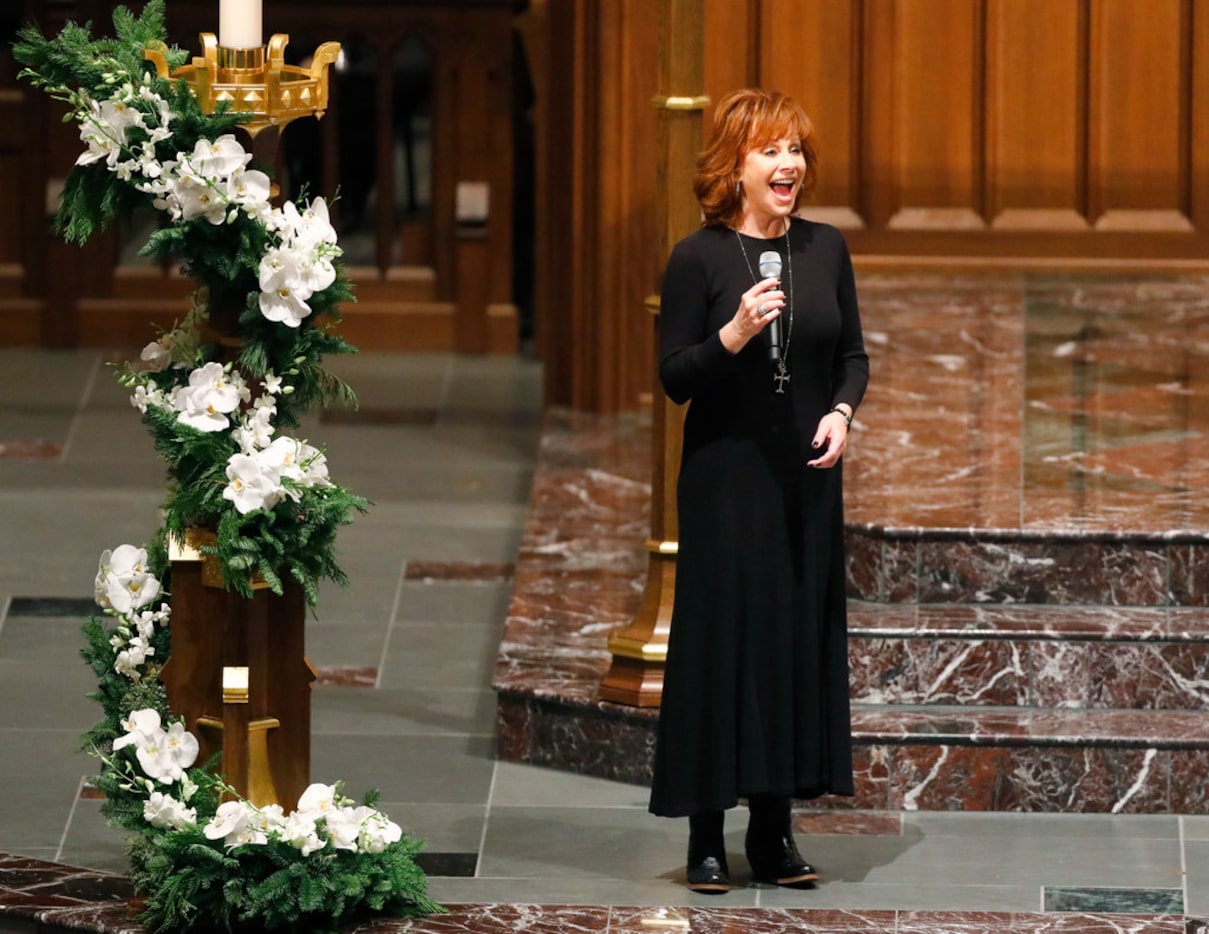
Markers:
<point>922,757</point>
<point>939,758</point>
<point>1143,658</point>
<point>981,565</point>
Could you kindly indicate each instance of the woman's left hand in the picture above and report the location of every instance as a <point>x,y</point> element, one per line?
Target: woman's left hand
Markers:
<point>832,436</point>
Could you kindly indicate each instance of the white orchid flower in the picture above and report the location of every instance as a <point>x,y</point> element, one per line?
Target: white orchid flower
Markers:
<point>318,273</point>
<point>301,832</point>
<point>310,229</point>
<point>235,824</point>
<point>179,748</point>
<point>229,817</point>
<point>103,128</point>
<point>317,801</point>
<point>281,458</point>
<point>256,430</point>
<point>284,305</point>
<point>377,831</point>
<point>140,725</point>
<point>284,286</point>
<point>130,660</point>
<point>314,467</point>
<point>343,828</point>
<point>146,735</point>
<point>211,395</point>
<point>219,159</point>
<point>250,486</point>
<point>157,356</point>
<point>251,189</point>
<point>195,197</point>
<point>123,582</point>
<point>161,810</point>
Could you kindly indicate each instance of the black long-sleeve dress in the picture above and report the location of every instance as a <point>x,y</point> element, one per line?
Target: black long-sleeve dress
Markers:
<point>755,697</point>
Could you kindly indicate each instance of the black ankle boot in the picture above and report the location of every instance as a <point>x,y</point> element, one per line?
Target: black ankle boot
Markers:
<point>707,871</point>
<point>771,851</point>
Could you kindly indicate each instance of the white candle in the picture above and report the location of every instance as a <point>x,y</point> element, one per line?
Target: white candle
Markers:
<point>239,25</point>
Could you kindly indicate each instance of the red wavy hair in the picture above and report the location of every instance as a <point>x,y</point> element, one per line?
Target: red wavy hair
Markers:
<point>745,120</point>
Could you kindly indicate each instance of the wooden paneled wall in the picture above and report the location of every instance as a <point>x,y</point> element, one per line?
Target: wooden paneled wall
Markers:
<point>959,133</point>
<point>999,129</point>
<point>595,197</point>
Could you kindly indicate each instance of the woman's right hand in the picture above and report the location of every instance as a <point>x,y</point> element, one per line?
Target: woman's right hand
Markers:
<point>759,305</point>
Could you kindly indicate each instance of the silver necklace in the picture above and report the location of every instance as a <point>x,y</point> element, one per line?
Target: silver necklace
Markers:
<point>781,375</point>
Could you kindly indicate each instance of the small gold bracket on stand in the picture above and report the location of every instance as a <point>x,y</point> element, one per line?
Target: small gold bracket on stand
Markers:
<point>244,742</point>
<point>234,685</point>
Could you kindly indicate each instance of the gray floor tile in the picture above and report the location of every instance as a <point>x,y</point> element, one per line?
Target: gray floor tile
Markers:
<point>45,380</point>
<point>42,641</point>
<point>445,483</point>
<point>111,436</point>
<point>406,769</point>
<point>62,696</point>
<point>422,603</point>
<point>52,427</point>
<point>1100,826</point>
<point>368,599</point>
<point>414,712</point>
<point>382,380</point>
<point>438,518</point>
<point>519,785</point>
<point>445,828</point>
<point>1018,859</point>
<point>91,842</point>
<point>1195,826</point>
<point>424,542</point>
<point>1196,854</point>
<point>441,655</point>
<point>40,772</point>
<point>346,642</point>
<point>106,394</point>
<point>583,843</point>
<point>140,479</point>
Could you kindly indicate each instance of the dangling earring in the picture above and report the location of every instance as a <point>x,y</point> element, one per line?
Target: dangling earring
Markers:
<point>738,188</point>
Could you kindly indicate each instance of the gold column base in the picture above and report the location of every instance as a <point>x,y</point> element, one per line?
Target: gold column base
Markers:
<point>635,677</point>
<point>257,786</point>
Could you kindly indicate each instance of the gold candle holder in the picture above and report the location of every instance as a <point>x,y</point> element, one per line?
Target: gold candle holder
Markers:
<point>255,81</point>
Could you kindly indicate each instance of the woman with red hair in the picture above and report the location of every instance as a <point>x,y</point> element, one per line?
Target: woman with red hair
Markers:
<point>760,332</point>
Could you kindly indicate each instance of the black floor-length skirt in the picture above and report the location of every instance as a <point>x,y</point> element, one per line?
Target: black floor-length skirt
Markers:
<point>755,697</point>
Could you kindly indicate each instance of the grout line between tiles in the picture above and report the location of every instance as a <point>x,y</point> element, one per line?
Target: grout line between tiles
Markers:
<point>390,623</point>
<point>85,395</point>
<point>71,813</point>
<point>1183,862</point>
<point>495,771</point>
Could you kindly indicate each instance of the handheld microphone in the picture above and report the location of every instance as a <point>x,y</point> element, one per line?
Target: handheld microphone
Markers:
<point>770,268</point>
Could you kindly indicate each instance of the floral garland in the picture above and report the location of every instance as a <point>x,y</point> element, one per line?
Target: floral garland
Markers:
<point>200,855</point>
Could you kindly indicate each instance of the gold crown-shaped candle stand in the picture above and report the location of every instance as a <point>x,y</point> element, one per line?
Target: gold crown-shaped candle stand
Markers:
<point>255,81</point>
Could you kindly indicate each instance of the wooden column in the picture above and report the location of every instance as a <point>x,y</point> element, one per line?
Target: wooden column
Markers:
<point>238,674</point>
<point>640,650</point>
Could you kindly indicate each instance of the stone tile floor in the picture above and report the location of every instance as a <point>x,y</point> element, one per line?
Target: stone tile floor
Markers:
<point>445,446</point>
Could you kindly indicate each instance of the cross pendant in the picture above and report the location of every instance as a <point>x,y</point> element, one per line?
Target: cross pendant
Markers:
<point>782,377</point>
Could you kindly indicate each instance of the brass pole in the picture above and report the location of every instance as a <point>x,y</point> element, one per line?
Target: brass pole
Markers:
<point>635,676</point>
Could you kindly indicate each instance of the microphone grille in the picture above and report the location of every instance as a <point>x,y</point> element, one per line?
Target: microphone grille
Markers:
<point>770,264</point>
